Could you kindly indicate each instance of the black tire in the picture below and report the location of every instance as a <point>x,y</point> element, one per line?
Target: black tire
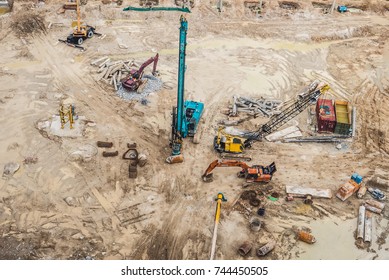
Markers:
<point>80,41</point>
<point>90,33</point>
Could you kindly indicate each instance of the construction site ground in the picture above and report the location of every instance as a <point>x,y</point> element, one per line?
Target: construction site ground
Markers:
<point>66,201</point>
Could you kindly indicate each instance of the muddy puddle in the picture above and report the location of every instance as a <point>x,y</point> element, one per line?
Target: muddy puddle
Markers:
<point>335,241</point>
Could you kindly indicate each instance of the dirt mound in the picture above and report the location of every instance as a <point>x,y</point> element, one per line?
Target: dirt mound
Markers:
<point>27,23</point>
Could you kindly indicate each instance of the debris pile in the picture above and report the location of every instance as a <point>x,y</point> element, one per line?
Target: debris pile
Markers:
<point>113,72</point>
<point>26,23</point>
<point>150,84</point>
<point>253,107</point>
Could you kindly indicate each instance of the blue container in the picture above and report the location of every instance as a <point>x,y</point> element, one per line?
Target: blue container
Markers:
<point>342,9</point>
<point>261,211</point>
<point>357,178</point>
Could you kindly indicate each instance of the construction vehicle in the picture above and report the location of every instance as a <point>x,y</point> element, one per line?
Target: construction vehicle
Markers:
<point>186,115</point>
<point>376,194</point>
<point>81,31</point>
<point>224,142</point>
<point>350,187</point>
<point>220,198</point>
<point>255,173</point>
<point>134,78</point>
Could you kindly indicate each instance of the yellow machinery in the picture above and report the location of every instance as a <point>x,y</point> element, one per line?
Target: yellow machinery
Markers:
<point>224,142</point>
<point>81,31</point>
<point>66,116</point>
<point>219,199</point>
<point>234,144</point>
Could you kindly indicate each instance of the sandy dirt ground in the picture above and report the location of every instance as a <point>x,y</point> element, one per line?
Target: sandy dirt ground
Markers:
<point>72,203</point>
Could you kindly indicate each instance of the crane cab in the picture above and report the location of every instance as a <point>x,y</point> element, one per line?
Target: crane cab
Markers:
<point>192,114</point>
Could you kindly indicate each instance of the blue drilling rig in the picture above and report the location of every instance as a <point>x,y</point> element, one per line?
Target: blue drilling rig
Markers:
<point>186,115</point>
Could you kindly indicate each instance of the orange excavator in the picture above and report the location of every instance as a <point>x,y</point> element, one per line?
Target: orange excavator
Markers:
<point>255,173</point>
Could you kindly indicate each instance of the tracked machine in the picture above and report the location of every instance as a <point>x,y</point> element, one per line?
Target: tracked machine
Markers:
<point>134,78</point>
<point>252,174</point>
<point>187,114</point>
<point>226,143</point>
<point>81,31</point>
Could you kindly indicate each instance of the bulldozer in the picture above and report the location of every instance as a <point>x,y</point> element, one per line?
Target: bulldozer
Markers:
<point>253,174</point>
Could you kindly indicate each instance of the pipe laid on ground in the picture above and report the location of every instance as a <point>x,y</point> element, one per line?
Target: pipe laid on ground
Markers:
<point>361,222</point>
<point>373,209</point>
<point>219,200</point>
<point>368,226</point>
<point>376,204</point>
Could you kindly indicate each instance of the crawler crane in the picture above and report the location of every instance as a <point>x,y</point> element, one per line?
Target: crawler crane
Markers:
<point>186,115</point>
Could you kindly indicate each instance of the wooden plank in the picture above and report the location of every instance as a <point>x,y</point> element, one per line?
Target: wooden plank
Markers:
<point>108,72</point>
<point>125,66</point>
<point>303,191</point>
<point>116,68</point>
<point>119,76</point>
<point>106,206</point>
<point>103,74</point>
<point>114,82</point>
<point>104,62</point>
<point>101,69</point>
<point>98,60</point>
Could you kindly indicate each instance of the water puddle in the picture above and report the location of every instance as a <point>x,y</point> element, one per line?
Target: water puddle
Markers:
<point>335,241</point>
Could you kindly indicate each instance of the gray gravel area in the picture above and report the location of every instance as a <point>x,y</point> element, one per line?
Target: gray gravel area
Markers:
<point>152,84</point>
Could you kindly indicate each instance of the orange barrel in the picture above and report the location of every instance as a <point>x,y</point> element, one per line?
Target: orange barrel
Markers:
<point>306,237</point>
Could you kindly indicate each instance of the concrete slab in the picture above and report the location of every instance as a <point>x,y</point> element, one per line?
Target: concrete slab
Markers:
<point>303,191</point>
<point>282,133</point>
<point>76,131</point>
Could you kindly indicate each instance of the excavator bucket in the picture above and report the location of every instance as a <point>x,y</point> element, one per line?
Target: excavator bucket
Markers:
<point>175,159</point>
<point>208,178</point>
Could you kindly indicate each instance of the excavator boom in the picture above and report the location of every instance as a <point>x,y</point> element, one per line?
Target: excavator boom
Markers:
<point>134,79</point>
<point>148,62</point>
<point>207,176</point>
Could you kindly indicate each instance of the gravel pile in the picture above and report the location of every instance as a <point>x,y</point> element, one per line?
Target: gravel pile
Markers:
<point>151,84</point>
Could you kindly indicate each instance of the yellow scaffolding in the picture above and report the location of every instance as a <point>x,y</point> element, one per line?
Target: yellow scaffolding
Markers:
<point>66,116</point>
